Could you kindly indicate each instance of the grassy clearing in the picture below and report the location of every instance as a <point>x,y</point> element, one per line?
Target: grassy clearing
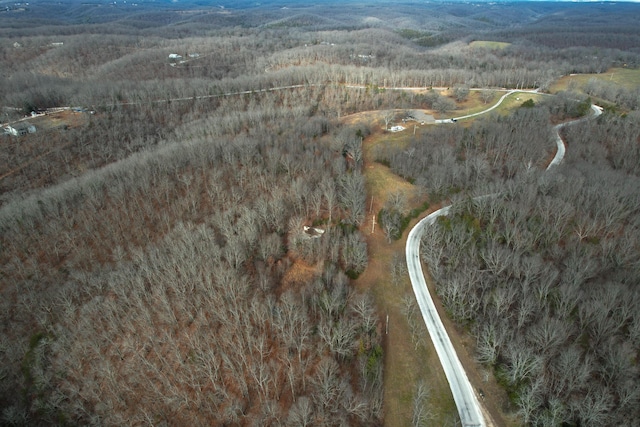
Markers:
<point>380,182</point>
<point>473,104</point>
<point>515,100</point>
<point>409,360</point>
<point>486,44</point>
<point>626,77</point>
<point>396,139</point>
<point>507,106</point>
<point>405,364</point>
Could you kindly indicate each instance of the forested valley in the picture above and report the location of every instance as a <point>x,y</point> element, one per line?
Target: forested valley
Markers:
<point>180,238</point>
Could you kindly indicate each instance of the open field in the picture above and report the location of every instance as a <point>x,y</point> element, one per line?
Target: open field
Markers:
<point>473,104</point>
<point>410,361</point>
<point>617,88</point>
<point>406,362</point>
<point>515,100</point>
<point>485,44</point>
<point>625,77</point>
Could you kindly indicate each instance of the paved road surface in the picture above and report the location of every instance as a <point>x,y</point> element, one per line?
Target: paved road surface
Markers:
<point>463,393</point>
<point>493,107</point>
<point>560,143</point>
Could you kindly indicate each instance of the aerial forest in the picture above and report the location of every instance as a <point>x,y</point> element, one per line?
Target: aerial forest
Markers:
<point>541,267</point>
<point>184,236</point>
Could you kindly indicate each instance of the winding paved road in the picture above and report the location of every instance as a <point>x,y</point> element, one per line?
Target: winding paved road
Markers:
<point>493,107</point>
<point>464,395</point>
<point>560,143</point>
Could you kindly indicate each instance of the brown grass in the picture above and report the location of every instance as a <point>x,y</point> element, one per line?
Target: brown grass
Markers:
<point>515,100</point>
<point>490,45</point>
<point>473,103</point>
<point>298,274</point>
<point>627,77</point>
<point>405,364</point>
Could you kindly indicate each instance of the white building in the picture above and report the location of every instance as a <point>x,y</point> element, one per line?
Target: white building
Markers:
<point>22,128</point>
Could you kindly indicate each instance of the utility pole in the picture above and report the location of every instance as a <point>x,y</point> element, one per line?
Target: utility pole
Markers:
<point>373,217</point>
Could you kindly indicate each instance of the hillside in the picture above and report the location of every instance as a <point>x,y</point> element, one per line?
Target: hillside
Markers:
<point>206,226</point>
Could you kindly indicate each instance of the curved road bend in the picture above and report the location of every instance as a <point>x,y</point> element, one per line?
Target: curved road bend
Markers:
<point>560,143</point>
<point>493,107</point>
<point>463,394</point>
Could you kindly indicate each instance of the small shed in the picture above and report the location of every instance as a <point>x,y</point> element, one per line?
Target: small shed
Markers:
<point>22,128</point>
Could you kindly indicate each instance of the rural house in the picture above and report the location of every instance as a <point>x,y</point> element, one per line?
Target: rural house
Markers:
<point>18,129</point>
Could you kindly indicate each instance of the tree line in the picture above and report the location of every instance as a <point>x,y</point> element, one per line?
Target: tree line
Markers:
<point>98,68</point>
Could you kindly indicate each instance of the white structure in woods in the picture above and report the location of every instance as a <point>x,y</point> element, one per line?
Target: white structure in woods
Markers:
<point>313,232</point>
<point>18,129</point>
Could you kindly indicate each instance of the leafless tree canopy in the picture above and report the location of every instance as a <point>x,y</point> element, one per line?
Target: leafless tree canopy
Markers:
<point>154,262</point>
<point>545,271</point>
<point>166,287</point>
